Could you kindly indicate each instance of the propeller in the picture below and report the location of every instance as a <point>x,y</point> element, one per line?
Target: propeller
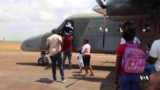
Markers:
<point>101,3</point>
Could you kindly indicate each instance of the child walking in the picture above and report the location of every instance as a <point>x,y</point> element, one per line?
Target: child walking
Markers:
<point>80,58</point>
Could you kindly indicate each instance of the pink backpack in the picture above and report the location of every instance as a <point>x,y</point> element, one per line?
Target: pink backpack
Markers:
<point>133,60</point>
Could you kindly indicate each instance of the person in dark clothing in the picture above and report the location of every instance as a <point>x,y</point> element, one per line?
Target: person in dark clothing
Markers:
<point>67,48</point>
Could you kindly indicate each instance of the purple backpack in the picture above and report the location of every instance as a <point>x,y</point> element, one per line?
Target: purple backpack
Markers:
<point>133,60</point>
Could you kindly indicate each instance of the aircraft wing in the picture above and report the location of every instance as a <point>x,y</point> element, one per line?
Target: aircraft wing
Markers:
<point>128,7</point>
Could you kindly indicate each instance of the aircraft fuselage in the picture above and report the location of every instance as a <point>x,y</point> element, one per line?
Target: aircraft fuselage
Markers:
<point>102,33</point>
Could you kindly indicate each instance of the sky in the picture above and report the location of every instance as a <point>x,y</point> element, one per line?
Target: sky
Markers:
<point>22,19</point>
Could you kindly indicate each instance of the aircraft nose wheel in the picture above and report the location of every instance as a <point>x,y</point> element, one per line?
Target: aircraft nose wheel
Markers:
<point>43,60</point>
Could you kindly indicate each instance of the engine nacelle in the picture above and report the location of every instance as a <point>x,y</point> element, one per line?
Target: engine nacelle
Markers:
<point>130,7</point>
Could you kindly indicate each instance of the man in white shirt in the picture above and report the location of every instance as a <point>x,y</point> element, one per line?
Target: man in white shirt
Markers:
<point>154,55</point>
<point>54,43</point>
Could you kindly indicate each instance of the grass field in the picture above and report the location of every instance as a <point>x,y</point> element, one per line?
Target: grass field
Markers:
<point>10,46</point>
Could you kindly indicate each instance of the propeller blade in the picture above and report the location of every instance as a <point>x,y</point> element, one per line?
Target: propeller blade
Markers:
<point>101,4</point>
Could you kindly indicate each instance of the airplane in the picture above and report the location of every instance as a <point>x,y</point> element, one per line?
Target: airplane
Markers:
<point>83,26</point>
<point>104,30</point>
<point>129,7</point>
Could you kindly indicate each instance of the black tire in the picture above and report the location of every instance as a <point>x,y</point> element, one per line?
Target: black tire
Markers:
<point>43,61</point>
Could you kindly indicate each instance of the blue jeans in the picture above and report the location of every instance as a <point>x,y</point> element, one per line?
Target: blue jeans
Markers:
<point>129,82</point>
<point>69,55</point>
<point>57,59</point>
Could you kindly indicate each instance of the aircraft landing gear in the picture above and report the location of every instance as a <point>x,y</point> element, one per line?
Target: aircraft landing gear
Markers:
<point>43,60</point>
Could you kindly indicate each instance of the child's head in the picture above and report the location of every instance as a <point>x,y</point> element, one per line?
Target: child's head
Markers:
<point>80,51</point>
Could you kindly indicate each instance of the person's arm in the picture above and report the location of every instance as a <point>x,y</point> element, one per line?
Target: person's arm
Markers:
<point>153,53</point>
<point>117,70</point>
<point>47,44</point>
<point>151,60</point>
<point>61,43</point>
<point>117,67</point>
<point>83,49</point>
<point>78,57</point>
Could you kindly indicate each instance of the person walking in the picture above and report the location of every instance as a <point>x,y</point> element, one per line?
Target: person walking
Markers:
<point>80,60</point>
<point>86,48</point>
<point>54,44</point>
<point>128,80</point>
<point>67,48</point>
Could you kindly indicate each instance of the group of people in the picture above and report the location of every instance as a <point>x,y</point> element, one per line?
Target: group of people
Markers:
<point>58,44</point>
<point>125,80</point>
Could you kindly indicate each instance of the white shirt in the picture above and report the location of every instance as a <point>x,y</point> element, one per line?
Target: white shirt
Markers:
<point>86,49</point>
<point>136,41</point>
<point>54,42</point>
<point>155,53</point>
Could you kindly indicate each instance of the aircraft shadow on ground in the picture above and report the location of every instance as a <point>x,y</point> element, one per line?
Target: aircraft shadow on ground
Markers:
<point>33,64</point>
<point>108,82</point>
<point>74,66</point>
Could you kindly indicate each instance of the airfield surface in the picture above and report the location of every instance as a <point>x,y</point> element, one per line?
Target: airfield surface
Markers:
<point>19,71</point>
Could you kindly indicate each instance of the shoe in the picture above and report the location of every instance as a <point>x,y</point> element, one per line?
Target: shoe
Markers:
<point>63,81</point>
<point>86,74</point>
<point>54,81</point>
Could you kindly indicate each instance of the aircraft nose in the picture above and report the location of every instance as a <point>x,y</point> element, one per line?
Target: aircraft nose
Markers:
<point>31,44</point>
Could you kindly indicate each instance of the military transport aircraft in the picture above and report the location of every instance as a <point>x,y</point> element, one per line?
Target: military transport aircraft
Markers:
<point>90,26</point>
<point>103,30</point>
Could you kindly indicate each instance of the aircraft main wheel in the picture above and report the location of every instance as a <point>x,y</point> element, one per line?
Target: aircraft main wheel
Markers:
<point>43,61</point>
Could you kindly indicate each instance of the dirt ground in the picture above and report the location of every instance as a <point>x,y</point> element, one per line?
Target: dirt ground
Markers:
<point>19,71</point>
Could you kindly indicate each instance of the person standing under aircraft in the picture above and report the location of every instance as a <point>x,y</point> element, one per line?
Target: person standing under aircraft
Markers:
<point>86,48</point>
<point>126,25</point>
<point>54,43</point>
<point>67,48</point>
<point>127,81</point>
<point>80,60</point>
